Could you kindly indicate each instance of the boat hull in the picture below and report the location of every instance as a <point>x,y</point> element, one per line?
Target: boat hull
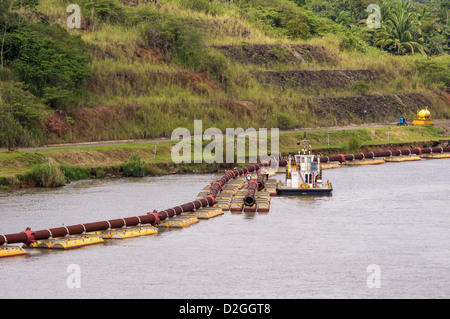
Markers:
<point>303,191</point>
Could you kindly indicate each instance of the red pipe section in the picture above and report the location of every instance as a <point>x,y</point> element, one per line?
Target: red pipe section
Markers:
<point>249,199</point>
<point>253,187</point>
<point>28,236</point>
<point>417,151</point>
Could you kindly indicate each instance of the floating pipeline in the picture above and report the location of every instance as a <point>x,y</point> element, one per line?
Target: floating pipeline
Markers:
<point>216,186</point>
<point>28,236</point>
<point>413,151</point>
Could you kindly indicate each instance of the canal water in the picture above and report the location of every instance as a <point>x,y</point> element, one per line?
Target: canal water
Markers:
<point>384,233</point>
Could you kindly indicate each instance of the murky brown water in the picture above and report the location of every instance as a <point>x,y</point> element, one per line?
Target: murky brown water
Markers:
<point>395,216</point>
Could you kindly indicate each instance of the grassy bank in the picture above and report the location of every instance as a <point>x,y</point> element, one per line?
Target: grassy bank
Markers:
<point>56,167</point>
<point>53,168</point>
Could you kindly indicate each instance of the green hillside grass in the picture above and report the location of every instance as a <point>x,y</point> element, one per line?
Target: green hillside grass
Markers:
<point>158,66</point>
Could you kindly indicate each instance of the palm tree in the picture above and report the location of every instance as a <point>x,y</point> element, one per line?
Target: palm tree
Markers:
<point>385,9</point>
<point>402,30</point>
<point>344,18</point>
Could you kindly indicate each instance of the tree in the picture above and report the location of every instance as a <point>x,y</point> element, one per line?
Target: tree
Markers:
<point>51,61</point>
<point>10,19</point>
<point>21,116</point>
<point>385,9</point>
<point>344,18</point>
<point>402,32</point>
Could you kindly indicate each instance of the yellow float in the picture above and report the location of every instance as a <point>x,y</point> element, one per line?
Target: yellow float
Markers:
<point>403,158</point>
<point>423,117</point>
<point>329,166</point>
<point>205,213</point>
<point>11,251</point>
<point>69,242</point>
<point>367,161</point>
<point>126,232</point>
<point>436,155</point>
<point>178,222</point>
<point>237,206</point>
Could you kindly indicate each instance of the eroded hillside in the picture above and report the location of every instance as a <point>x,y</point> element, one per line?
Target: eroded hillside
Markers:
<point>158,65</point>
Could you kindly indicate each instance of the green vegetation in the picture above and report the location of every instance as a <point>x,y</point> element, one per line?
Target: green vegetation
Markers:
<point>134,167</point>
<point>45,175</point>
<point>360,87</point>
<point>285,121</point>
<point>436,71</point>
<point>402,31</point>
<point>139,69</point>
<point>406,27</point>
<point>76,173</point>
<point>284,18</point>
<point>351,146</point>
<point>52,62</point>
<point>21,117</point>
<point>183,45</point>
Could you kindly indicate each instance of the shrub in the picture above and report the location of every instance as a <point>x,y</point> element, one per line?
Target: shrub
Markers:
<point>351,43</point>
<point>360,87</point>
<point>352,145</point>
<point>197,5</point>
<point>51,61</point>
<point>284,18</point>
<point>106,10</point>
<point>135,167</point>
<point>435,71</point>
<point>183,43</point>
<point>21,119</point>
<point>46,175</point>
<point>173,39</point>
<point>76,173</point>
<point>285,121</point>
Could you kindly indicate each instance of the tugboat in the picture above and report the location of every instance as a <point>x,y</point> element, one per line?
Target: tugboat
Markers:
<point>304,176</point>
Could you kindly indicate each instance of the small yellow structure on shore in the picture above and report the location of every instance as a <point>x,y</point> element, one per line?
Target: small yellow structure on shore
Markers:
<point>423,117</point>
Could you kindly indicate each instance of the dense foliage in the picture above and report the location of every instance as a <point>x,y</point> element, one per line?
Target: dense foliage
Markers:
<point>51,61</point>
<point>41,64</point>
<point>21,116</point>
<point>406,26</point>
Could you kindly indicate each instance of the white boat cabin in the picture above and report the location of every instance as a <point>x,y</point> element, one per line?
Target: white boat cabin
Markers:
<point>303,172</point>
